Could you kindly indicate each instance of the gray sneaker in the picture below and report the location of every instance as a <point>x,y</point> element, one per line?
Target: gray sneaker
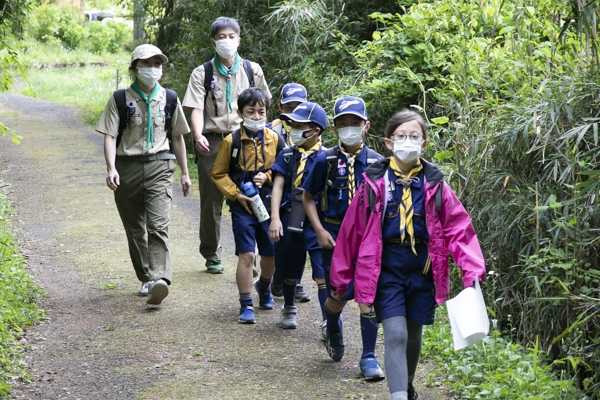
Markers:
<point>301,296</point>
<point>288,317</point>
<point>158,290</point>
<point>144,289</point>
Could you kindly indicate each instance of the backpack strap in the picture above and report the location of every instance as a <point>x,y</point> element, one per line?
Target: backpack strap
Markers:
<point>208,74</point>
<point>331,156</point>
<point>169,111</point>
<point>249,72</point>
<point>372,156</point>
<point>236,146</point>
<point>124,114</point>
<point>290,166</point>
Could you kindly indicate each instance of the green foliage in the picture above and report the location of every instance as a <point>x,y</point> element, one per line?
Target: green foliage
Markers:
<point>492,368</point>
<point>45,22</point>
<point>71,33</point>
<point>51,24</point>
<point>18,308</point>
<point>111,37</point>
<point>91,90</point>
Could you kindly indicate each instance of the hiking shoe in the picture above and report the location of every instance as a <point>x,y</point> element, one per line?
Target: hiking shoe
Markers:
<point>214,267</point>
<point>369,366</point>
<point>412,393</point>
<point>288,317</point>
<point>265,300</point>
<point>324,329</point>
<point>144,289</point>
<point>277,288</point>
<point>246,315</point>
<point>334,343</point>
<point>158,290</point>
<point>301,296</point>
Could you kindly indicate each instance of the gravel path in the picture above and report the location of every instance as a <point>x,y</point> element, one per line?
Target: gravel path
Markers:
<point>101,341</point>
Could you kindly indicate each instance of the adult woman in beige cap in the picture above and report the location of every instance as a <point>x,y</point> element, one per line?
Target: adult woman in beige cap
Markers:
<point>143,127</point>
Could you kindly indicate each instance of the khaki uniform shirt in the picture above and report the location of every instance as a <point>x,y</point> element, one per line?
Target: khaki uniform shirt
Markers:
<point>224,120</point>
<point>133,140</point>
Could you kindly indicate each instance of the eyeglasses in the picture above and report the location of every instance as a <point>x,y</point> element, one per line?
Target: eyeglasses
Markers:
<point>415,138</point>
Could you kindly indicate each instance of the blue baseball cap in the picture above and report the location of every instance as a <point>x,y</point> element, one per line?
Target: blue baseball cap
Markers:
<point>293,92</point>
<point>308,112</point>
<point>351,105</point>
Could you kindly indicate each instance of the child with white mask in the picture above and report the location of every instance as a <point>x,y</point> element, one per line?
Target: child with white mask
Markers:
<point>335,178</point>
<point>392,248</point>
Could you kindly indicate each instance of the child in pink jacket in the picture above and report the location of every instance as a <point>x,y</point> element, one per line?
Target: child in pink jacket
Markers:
<point>394,244</point>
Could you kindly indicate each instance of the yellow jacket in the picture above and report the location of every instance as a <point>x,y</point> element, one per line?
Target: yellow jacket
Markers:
<point>253,151</point>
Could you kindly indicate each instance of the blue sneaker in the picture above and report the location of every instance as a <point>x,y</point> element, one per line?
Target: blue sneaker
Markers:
<point>265,300</point>
<point>334,343</point>
<point>369,366</point>
<point>247,315</point>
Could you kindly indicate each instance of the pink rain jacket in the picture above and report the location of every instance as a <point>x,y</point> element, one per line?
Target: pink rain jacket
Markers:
<point>359,245</point>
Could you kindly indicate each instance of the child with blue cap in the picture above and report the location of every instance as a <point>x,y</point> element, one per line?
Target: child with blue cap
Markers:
<point>334,178</point>
<point>293,235</point>
<point>292,95</point>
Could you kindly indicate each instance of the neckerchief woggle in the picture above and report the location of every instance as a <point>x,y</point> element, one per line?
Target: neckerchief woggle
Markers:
<point>148,99</point>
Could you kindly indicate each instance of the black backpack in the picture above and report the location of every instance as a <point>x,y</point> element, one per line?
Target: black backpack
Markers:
<point>208,73</point>
<point>332,158</point>
<point>236,145</point>
<point>125,113</point>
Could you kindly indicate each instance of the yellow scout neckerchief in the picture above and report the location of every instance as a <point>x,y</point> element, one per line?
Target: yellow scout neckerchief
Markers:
<point>406,209</point>
<point>304,154</point>
<point>351,159</point>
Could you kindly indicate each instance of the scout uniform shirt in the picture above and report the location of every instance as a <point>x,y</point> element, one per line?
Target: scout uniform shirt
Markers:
<point>250,160</point>
<point>226,120</point>
<point>133,139</point>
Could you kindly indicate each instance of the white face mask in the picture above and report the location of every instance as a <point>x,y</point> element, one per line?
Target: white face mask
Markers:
<point>297,136</point>
<point>350,135</point>
<point>149,76</point>
<point>252,125</point>
<point>407,151</point>
<point>226,48</point>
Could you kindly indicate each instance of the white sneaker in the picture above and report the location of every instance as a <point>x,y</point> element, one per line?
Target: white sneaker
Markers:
<point>144,289</point>
<point>157,290</point>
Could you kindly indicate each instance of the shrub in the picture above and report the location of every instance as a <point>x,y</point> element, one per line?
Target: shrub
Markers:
<point>45,22</point>
<point>18,308</point>
<point>71,33</point>
<point>111,36</point>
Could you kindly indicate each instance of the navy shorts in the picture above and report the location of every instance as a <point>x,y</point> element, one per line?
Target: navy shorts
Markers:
<point>403,290</point>
<point>249,233</point>
<point>290,251</point>
<point>334,229</point>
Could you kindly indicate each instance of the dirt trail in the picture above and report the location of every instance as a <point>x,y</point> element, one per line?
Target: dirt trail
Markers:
<point>101,340</point>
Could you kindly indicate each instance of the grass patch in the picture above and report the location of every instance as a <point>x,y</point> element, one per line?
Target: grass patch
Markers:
<point>33,54</point>
<point>18,304</point>
<point>492,368</point>
<point>88,87</point>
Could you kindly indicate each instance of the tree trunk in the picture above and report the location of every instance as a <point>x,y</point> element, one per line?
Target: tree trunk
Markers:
<point>139,13</point>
